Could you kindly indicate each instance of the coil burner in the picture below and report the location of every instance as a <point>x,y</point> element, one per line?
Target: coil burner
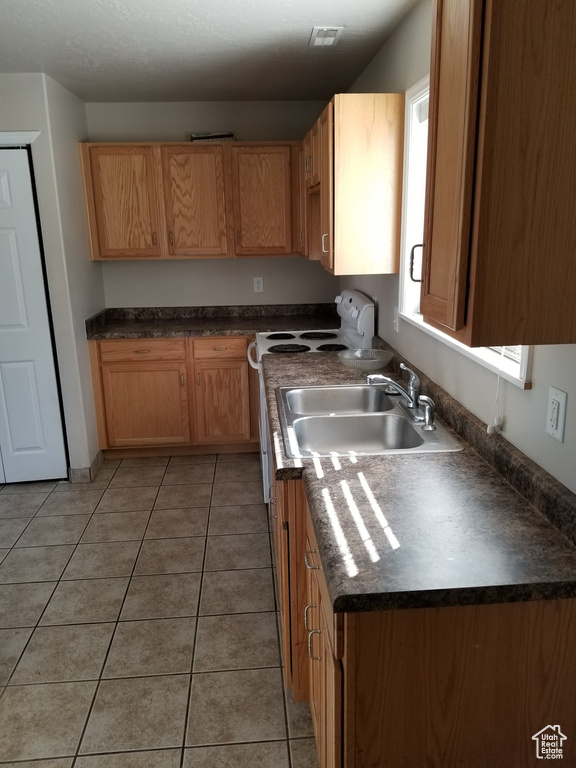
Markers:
<point>314,335</point>
<point>331,347</point>
<point>288,348</point>
<point>280,336</point>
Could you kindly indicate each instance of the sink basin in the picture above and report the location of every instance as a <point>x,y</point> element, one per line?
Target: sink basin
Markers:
<point>354,434</point>
<point>352,421</point>
<point>311,401</point>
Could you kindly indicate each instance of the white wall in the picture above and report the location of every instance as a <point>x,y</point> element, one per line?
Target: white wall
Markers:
<point>402,62</point>
<point>34,102</point>
<point>217,283</point>
<point>175,121</point>
<point>211,282</point>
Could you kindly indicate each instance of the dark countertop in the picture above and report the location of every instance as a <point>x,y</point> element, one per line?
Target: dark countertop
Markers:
<point>177,322</point>
<point>429,530</point>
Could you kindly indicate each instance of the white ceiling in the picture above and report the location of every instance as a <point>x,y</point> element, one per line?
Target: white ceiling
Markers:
<point>194,50</point>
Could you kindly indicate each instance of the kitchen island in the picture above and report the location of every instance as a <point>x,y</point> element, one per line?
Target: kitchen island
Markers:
<point>437,604</point>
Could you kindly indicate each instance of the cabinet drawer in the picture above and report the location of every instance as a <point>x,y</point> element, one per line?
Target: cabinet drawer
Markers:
<point>223,346</point>
<point>140,350</point>
<point>334,622</point>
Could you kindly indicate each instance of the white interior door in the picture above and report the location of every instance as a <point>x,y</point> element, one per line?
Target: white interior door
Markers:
<point>31,433</point>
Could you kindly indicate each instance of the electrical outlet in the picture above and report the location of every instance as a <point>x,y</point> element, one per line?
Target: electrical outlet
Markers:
<point>556,416</point>
<point>258,285</point>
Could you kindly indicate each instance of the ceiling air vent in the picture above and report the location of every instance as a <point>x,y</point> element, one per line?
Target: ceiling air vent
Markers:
<point>325,37</point>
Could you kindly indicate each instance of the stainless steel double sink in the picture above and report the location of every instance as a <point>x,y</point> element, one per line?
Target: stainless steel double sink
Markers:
<point>352,420</point>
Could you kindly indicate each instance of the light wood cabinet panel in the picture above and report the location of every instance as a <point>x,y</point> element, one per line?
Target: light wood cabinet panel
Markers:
<point>499,222</point>
<point>354,212</point>
<point>279,510</point>
<point>195,200</point>
<point>261,182</point>
<point>123,185</point>
<point>146,404</point>
<point>325,154</point>
<point>325,670</point>
<point>142,350</point>
<point>221,347</point>
<point>316,153</point>
<point>289,523</point>
<point>299,224</point>
<point>222,401</point>
<point>183,200</point>
<point>147,392</point>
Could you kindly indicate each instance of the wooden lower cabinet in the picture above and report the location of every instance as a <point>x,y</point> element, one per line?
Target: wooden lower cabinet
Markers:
<point>325,673</point>
<point>146,404</point>
<point>288,523</point>
<point>222,401</point>
<point>465,685</point>
<point>170,392</point>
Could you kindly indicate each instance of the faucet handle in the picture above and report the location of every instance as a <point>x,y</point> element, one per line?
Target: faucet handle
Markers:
<point>413,386</point>
<point>413,381</point>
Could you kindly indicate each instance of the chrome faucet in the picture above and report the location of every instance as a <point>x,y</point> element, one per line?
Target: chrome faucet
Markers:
<point>411,394</point>
<point>419,407</point>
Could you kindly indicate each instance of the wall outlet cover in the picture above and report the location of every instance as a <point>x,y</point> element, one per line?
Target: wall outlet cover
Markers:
<point>556,415</point>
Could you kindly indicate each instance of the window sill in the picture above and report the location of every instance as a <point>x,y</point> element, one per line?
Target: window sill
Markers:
<point>518,374</point>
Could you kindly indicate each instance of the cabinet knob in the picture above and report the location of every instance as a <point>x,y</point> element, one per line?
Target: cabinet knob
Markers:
<point>181,379</point>
<point>171,238</point>
<point>153,238</point>
<point>142,351</point>
<point>238,237</point>
<point>324,250</point>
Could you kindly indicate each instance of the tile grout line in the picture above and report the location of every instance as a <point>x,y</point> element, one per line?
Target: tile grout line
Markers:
<point>56,583</point>
<point>112,636</point>
<point>200,586</point>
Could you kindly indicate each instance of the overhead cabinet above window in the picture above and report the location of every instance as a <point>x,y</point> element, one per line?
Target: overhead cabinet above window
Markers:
<point>500,223</point>
<point>185,200</point>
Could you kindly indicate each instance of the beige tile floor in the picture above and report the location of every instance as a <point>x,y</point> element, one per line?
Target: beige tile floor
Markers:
<point>138,623</point>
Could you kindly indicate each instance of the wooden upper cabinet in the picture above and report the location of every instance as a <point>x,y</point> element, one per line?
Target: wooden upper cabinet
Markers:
<point>186,200</point>
<point>325,161</point>
<point>500,221</point>
<point>195,200</point>
<point>354,212</point>
<point>123,186</point>
<point>261,194</point>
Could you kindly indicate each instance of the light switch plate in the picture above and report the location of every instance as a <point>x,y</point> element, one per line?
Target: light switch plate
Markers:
<point>556,416</point>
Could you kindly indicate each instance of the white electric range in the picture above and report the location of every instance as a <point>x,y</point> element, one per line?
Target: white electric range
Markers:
<point>356,332</point>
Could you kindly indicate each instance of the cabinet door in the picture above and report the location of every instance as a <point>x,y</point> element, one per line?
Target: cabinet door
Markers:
<point>326,144</point>
<point>261,179</point>
<point>316,150</point>
<point>325,671</point>
<point>145,404</point>
<point>450,171</point>
<point>195,200</point>
<point>279,522</point>
<point>312,624</point>
<point>123,186</point>
<point>222,398</point>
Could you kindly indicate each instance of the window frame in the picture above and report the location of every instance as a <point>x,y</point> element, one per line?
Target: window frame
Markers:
<point>517,373</point>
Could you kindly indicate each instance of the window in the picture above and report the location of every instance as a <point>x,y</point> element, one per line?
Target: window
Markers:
<point>513,362</point>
